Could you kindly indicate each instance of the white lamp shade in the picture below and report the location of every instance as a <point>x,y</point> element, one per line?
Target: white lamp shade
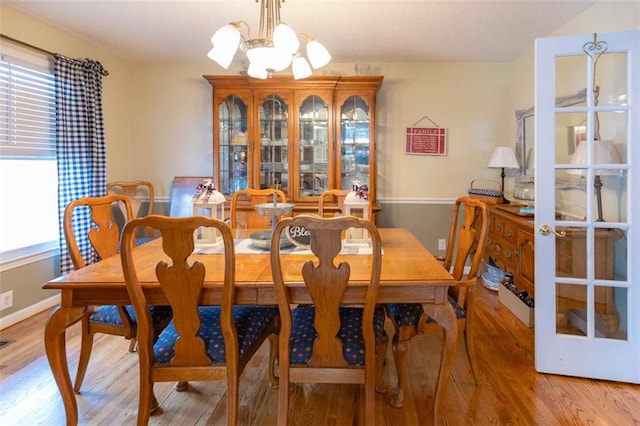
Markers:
<point>284,38</point>
<point>604,152</point>
<point>300,67</point>
<point>221,56</point>
<point>269,58</point>
<point>227,37</point>
<point>503,156</point>
<point>256,71</point>
<point>318,55</point>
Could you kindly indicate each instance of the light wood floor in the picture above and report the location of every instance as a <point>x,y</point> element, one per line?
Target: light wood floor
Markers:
<point>510,391</point>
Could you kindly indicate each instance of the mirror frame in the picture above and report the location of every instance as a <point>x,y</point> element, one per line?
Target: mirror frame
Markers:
<point>522,115</point>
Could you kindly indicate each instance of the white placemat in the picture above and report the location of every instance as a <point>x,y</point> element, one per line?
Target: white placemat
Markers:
<point>244,246</point>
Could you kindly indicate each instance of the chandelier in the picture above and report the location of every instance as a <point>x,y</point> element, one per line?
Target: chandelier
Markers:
<point>274,49</point>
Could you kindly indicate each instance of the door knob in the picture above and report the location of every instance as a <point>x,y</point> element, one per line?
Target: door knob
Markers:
<point>546,230</point>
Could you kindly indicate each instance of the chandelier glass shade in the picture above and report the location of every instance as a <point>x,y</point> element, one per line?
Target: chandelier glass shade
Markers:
<point>274,48</point>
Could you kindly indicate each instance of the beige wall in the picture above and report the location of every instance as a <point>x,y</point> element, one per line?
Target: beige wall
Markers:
<point>158,123</point>
<point>171,135</point>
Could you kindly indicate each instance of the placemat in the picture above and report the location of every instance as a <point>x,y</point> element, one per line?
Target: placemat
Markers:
<point>244,246</point>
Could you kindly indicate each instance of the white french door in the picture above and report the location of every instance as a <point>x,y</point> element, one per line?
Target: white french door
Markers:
<point>588,207</point>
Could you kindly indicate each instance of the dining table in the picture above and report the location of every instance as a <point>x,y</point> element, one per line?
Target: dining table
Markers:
<point>410,274</point>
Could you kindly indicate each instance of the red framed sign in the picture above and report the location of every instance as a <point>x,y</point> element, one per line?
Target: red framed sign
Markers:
<point>426,141</point>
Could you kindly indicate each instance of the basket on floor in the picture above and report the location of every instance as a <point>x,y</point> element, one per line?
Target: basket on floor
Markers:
<point>487,190</point>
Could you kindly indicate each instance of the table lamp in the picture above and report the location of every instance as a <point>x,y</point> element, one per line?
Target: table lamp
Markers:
<point>604,152</point>
<point>503,158</point>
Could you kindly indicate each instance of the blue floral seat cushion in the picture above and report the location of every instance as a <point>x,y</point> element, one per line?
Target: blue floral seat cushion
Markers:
<point>406,314</point>
<point>303,333</point>
<point>250,322</point>
<point>108,314</point>
<point>143,240</point>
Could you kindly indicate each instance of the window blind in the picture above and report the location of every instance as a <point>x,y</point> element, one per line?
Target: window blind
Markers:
<point>27,110</point>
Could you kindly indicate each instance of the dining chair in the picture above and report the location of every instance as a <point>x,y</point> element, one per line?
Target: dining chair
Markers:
<point>137,191</point>
<point>327,341</point>
<point>104,237</point>
<point>200,342</point>
<point>465,247</point>
<point>249,218</point>
<point>331,203</point>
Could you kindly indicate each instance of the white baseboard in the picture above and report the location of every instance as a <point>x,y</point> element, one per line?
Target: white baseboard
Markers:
<point>29,311</point>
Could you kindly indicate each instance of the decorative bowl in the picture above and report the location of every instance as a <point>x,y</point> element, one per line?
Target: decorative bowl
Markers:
<point>262,240</point>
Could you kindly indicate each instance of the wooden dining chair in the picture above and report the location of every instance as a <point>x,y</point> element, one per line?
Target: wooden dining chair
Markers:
<point>201,342</point>
<point>137,191</point>
<point>327,341</point>
<point>467,240</point>
<point>249,218</point>
<point>331,203</point>
<point>104,237</point>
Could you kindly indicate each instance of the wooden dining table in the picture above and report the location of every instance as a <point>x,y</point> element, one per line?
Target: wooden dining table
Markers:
<point>410,274</point>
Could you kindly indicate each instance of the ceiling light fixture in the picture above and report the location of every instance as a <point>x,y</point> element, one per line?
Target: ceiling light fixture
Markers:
<point>274,49</point>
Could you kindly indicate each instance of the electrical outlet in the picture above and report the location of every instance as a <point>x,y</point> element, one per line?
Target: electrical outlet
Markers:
<point>6,300</point>
<point>442,244</point>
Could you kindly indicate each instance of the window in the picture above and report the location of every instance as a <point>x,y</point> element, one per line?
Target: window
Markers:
<point>28,168</point>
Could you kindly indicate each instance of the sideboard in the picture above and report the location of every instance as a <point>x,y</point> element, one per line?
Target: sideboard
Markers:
<point>511,245</point>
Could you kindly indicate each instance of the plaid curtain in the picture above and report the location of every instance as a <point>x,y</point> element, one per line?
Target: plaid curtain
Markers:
<point>80,146</point>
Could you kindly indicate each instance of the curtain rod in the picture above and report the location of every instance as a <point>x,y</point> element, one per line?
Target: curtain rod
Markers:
<point>39,49</point>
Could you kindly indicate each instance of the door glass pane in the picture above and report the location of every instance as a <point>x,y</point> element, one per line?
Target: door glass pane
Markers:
<point>274,143</point>
<point>571,196</point>
<point>609,307</point>
<point>354,142</point>
<point>314,146</point>
<point>571,74</point>
<point>571,309</point>
<point>233,145</point>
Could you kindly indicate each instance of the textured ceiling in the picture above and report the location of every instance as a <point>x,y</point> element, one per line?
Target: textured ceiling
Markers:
<point>352,30</point>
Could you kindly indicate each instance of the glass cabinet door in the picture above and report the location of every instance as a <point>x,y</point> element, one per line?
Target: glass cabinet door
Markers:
<point>233,143</point>
<point>313,146</point>
<point>274,143</point>
<point>354,142</point>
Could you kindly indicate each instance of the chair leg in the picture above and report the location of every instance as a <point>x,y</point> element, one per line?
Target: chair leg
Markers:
<point>381,386</point>
<point>400,348</point>
<point>132,344</point>
<point>273,359</point>
<point>370,395</point>
<point>147,402</point>
<point>471,353</point>
<point>181,386</point>
<point>283,399</point>
<point>232,399</point>
<point>85,353</point>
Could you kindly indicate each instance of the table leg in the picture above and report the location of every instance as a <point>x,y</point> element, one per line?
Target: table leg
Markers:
<point>445,316</point>
<point>55,347</point>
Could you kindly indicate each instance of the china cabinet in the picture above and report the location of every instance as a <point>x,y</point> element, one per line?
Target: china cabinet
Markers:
<point>304,136</point>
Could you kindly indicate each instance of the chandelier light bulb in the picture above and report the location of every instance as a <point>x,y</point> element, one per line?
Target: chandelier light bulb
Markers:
<point>318,55</point>
<point>269,58</point>
<point>221,56</point>
<point>256,71</point>
<point>286,39</point>
<point>300,67</point>
<point>227,37</point>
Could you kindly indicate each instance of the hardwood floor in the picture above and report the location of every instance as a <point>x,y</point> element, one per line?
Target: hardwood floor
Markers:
<point>509,392</point>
